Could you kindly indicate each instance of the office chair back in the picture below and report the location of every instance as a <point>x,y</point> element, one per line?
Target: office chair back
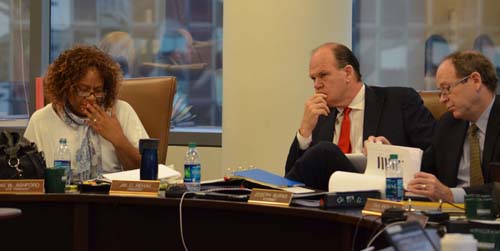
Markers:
<point>431,101</point>
<point>152,100</point>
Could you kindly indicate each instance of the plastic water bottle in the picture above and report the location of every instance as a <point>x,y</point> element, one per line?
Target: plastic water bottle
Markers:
<point>62,159</point>
<point>192,169</point>
<point>394,179</point>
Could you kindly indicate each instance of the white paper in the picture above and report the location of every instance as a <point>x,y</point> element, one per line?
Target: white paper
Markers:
<point>164,172</point>
<point>297,190</point>
<point>348,182</point>
<point>378,156</point>
<point>374,176</point>
<point>306,202</point>
<point>487,222</point>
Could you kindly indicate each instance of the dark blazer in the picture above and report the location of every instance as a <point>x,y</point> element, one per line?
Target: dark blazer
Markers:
<point>442,158</point>
<point>397,113</point>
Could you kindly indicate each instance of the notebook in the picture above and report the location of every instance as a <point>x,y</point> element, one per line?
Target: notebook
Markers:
<point>266,178</point>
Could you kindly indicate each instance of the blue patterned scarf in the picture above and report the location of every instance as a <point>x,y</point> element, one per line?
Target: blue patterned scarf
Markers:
<point>88,154</point>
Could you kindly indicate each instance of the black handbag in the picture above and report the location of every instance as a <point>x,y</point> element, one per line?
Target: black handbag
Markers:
<point>19,158</point>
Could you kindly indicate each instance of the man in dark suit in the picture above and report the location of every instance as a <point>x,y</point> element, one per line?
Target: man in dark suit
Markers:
<point>343,112</point>
<point>467,137</point>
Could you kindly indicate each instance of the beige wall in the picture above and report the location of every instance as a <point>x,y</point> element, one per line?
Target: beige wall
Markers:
<point>267,45</point>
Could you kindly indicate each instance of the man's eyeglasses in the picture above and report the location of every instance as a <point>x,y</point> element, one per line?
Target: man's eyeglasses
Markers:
<point>445,90</point>
<point>87,93</point>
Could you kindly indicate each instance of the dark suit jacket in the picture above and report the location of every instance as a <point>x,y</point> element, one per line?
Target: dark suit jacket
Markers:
<point>442,158</point>
<point>397,113</point>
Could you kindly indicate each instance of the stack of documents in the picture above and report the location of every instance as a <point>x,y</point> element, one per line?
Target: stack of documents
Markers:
<point>373,177</point>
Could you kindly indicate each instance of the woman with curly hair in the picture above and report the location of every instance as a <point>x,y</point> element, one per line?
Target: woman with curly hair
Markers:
<point>103,133</point>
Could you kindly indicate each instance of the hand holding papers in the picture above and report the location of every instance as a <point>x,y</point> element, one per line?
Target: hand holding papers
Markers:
<point>378,157</point>
<point>374,175</point>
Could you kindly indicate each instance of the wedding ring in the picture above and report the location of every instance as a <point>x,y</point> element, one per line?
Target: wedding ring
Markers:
<point>95,120</point>
<point>423,186</point>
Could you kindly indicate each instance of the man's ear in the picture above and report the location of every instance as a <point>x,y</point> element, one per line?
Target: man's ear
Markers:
<point>349,72</point>
<point>477,80</point>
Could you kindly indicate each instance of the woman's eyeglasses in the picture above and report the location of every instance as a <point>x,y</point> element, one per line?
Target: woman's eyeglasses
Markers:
<point>87,93</point>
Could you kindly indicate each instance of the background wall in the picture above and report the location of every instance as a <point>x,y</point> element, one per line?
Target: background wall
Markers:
<point>267,46</point>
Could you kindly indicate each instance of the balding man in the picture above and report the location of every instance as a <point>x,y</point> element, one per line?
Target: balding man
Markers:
<point>344,112</point>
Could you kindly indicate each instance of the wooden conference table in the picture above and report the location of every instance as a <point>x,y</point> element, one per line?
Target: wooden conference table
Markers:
<point>102,222</point>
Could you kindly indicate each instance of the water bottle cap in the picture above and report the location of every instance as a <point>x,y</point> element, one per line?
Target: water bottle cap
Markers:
<point>192,144</point>
<point>62,141</point>
<point>148,144</point>
<point>393,156</point>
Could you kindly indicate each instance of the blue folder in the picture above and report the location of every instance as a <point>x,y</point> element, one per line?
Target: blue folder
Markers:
<point>266,178</point>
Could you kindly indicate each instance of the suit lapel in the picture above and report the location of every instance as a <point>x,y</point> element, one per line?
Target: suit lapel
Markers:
<point>373,110</point>
<point>491,136</point>
<point>453,150</point>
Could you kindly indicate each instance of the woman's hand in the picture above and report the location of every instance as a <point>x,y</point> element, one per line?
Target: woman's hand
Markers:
<point>109,128</point>
<point>105,125</point>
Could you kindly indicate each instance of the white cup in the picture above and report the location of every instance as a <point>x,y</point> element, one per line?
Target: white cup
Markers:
<point>458,242</point>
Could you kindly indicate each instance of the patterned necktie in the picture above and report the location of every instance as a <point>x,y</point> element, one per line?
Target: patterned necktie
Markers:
<point>345,132</point>
<point>476,174</point>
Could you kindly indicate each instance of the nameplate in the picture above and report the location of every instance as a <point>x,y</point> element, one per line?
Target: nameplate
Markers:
<point>270,197</point>
<point>135,187</point>
<point>22,186</point>
<point>377,207</point>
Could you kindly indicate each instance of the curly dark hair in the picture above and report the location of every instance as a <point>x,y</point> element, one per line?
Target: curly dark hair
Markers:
<point>72,65</point>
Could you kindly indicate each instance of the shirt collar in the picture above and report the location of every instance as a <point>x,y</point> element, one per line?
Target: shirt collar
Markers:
<point>482,122</point>
<point>358,102</point>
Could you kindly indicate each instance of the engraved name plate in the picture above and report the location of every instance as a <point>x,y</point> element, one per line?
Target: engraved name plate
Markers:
<point>22,186</point>
<point>135,187</point>
<point>377,207</point>
<point>270,197</point>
